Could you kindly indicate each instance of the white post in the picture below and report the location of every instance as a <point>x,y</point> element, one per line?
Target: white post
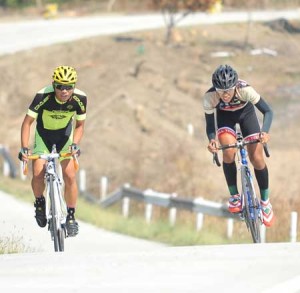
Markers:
<point>103,187</point>
<point>190,128</point>
<point>125,207</point>
<point>230,222</point>
<point>172,213</point>
<point>293,232</point>
<point>6,168</point>
<point>82,180</point>
<point>199,223</point>
<point>263,231</point>
<point>148,212</point>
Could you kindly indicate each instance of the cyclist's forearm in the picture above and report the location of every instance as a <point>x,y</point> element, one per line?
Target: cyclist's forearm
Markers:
<point>210,126</point>
<point>78,133</point>
<point>268,117</point>
<point>25,132</point>
<point>264,108</point>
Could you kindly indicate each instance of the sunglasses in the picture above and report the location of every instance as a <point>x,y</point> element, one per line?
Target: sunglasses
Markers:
<point>62,87</point>
<point>223,91</point>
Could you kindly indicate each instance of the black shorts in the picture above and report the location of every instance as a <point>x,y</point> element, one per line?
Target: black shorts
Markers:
<point>246,117</point>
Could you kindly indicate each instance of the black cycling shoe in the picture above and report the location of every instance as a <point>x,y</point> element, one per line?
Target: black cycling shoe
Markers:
<point>72,227</point>
<point>40,212</point>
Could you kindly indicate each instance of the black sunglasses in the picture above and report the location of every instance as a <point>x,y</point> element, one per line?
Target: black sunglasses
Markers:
<point>62,87</point>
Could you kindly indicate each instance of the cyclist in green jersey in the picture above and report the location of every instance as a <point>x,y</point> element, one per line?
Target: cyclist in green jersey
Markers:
<point>59,111</point>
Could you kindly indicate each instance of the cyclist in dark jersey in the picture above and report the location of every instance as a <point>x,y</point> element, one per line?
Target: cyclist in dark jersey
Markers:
<point>234,101</point>
<point>60,111</point>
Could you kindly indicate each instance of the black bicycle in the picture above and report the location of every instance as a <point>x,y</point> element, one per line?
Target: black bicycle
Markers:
<point>251,211</point>
<point>56,208</point>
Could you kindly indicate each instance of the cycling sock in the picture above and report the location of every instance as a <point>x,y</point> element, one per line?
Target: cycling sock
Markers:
<point>71,212</point>
<point>230,175</point>
<point>264,194</point>
<point>262,177</point>
<point>265,202</point>
<point>40,201</point>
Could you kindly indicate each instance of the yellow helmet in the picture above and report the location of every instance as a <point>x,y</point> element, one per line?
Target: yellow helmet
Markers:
<point>65,75</point>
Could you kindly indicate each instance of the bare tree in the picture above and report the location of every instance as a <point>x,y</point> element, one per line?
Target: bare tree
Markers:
<point>175,10</point>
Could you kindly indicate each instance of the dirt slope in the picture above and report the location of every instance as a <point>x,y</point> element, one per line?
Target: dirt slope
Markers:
<point>143,94</point>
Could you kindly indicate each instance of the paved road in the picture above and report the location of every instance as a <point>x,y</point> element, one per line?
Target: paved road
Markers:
<point>18,36</point>
<point>101,261</point>
<point>265,268</point>
<point>17,223</point>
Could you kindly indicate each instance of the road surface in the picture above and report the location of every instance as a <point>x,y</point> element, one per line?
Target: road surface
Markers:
<point>25,35</point>
<point>101,261</point>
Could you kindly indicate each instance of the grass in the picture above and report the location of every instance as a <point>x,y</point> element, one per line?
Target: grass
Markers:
<point>13,244</point>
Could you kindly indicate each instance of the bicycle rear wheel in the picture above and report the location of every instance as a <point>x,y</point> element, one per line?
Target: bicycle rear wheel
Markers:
<point>251,207</point>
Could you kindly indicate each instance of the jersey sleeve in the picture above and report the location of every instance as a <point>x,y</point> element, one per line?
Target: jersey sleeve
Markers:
<point>248,94</point>
<point>210,101</point>
<point>40,99</point>
<point>81,100</point>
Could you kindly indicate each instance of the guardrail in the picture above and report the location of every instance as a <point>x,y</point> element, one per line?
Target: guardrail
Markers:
<point>199,206</point>
<point>9,167</point>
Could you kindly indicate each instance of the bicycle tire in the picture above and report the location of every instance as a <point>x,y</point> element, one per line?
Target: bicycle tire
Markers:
<point>53,225</point>
<point>61,233</point>
<point>61,239</point>
<point>251,206</point>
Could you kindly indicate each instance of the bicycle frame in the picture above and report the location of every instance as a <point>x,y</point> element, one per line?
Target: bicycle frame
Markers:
<point>251,209</point>
<point>56,208</point>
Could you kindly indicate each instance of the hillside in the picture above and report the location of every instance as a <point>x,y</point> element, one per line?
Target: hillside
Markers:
<point>143,94</point>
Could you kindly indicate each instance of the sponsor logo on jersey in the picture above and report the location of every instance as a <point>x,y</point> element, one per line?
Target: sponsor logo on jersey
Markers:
<point>41,103</point>
<point>58,116</point>
<point>79,103</point>
<point>233,104</point>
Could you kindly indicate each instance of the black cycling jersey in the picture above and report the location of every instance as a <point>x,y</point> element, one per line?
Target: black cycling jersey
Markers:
<point>54,118</point>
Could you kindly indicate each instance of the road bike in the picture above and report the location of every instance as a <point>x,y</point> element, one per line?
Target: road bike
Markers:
<point>56,208</point>
<point>251,211</point>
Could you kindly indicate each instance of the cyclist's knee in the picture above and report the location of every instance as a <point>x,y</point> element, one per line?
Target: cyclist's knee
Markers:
<point>69,177</point>
<point>38,176</point>
<point>229,156</point>
<point>258,162</point>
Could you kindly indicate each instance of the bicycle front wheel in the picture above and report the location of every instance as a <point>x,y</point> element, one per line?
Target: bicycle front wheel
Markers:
<point>251,207</point>
<point>53,221</point>
<point>61,239</point>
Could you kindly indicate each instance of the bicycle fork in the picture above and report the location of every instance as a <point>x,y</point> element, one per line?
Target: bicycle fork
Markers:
<point>60,211</point>
<point>253,203</point>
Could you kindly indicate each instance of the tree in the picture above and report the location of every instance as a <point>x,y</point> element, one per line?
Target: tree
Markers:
<point>175,10</point>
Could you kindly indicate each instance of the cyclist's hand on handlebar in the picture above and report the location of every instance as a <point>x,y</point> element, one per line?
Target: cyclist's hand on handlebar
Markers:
<point>23,154</point>
<point>213,146</point>
<point>264,137</point>
<point>75,149</point>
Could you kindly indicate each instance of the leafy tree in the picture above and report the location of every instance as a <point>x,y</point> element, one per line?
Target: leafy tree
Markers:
<point>175,10</point>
